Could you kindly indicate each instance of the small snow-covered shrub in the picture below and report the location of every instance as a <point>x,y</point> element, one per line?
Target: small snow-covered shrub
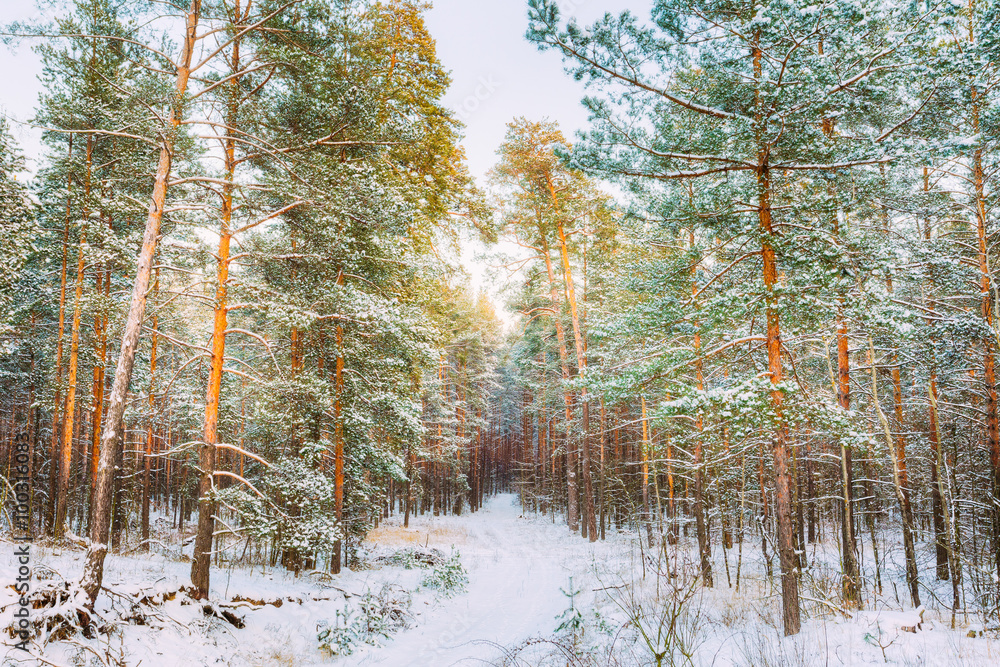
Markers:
<point>377,617</point>
<point>343,636</point>
<point>571,621</point>
<point>449,578</point>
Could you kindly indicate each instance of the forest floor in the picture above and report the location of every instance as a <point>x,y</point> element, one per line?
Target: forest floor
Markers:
<point>519,571</point>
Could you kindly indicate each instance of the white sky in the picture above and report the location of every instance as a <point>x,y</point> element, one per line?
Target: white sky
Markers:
<point>497,76</point>
<point>19,85</point>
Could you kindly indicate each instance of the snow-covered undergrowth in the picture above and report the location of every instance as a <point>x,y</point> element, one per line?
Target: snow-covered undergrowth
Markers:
<point>501,588</point>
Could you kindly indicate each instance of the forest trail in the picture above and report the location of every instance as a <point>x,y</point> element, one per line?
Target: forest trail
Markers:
<point>517,566</point>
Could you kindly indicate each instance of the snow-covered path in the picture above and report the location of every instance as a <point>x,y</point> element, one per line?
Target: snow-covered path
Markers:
<point>516,566</point>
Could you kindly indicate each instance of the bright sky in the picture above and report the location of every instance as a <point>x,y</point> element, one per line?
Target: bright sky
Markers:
<point>497,76</point>
<point>19,70</point>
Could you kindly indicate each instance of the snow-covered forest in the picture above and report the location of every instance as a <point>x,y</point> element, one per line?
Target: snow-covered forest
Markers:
<point>729,396</point>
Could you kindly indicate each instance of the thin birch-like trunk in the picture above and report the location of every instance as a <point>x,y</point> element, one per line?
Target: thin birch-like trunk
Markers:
<point>93,572</point>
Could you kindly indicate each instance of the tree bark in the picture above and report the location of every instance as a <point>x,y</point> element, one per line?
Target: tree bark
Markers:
<point>207,453</point>
<point>940,540</point>
<point>898,448</point>
<point>97,409</point>
<point>898,483</point>
<point>590,517</point>
<point>147,459</point>
<point>201,562</point>
<point>66,454</point>
<point>990,340</point>
<point>704,547</point>
<point>851,582</point>
<point>647,515</point>
<point>55,441</point>
<point>779,436</point>
<point>338,440</point>
<point>571,490</point>
<point>93,572</point>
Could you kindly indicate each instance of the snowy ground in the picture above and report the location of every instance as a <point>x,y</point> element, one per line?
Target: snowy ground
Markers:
<point>519,569</point>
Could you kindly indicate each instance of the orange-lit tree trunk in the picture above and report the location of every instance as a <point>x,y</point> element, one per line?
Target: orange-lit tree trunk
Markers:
<point>590,517</point>
<point>779,436</point>
<point>338,445</point>
<point>57,407</point>
<point>66,453</point>
<point>647,515</point>
<point>851,577</point>
<point>602,498</point>
<point>147,459</point>
<point>897,477</point>
<point>201,562</point>
<point>571,490</point>
<point>985,288</point>
<point>940,540</point>
<point>851,582</point>
<point>93,572</point>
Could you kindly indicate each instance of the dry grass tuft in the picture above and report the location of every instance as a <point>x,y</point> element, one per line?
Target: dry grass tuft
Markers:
<point>397,536</point>
<point>277,659</point>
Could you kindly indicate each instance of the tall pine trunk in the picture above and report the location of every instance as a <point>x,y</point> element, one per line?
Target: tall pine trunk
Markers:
<point>66,453</point>
<point>900,477</point>
<point>647,514</point>
<point>147,459</point>
<point>589,518</point>
<point>779,436</point>
<point>571,489</point>
<point>704,547</point>
<point>58,406</point>
<point>940,541</point>
<point>101,354</point>
<point>338,447</point>
<point>851,582</point>
<point>898,484</point>
<point>201,562</point>
<point>990,339</point>
<point>93,571</point>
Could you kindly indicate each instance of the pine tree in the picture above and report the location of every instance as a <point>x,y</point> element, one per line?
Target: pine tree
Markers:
<point>745,109</point>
